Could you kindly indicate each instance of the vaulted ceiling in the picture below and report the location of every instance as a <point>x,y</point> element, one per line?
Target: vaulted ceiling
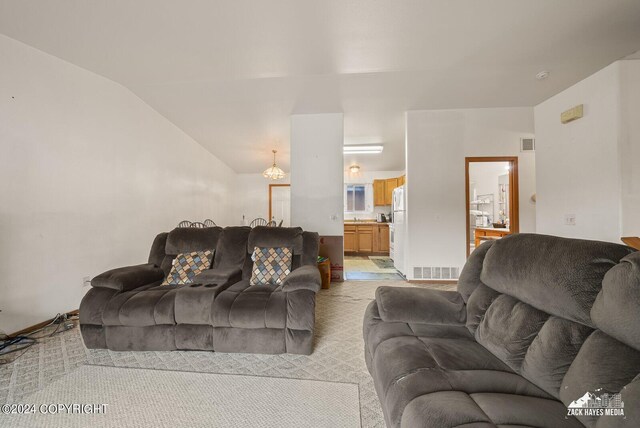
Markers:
<point>230,73</point>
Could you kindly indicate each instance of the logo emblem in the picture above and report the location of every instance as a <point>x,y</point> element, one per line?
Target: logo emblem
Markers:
<point>597,404</point>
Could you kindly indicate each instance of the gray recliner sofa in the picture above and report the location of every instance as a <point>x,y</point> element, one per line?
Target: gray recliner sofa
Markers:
<point>128,309</point>
<point>537,323</point>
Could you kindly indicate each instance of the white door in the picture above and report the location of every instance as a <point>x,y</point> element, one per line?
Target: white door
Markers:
<point>281,205</point>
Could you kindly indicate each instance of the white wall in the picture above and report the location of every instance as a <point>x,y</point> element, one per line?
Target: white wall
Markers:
<point>367,177</point>
<point>578,162</point>
<point>436,144</point>
<point>630,146</point>
<point>252,196</point>
<point>317,172</point>
<point>89,174</point>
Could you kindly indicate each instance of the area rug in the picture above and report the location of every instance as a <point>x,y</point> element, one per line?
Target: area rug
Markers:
<point>382,262</point>
<point>162,398</point>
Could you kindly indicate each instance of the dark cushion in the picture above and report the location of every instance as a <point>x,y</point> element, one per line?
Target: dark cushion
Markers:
<point>128,278</point>
<point>231,249</point>
<point>263,236</point>
<point>416,305</point>
<point>157,254</point>
<point>470,276</point>
<point>560,276</point>
<point>190,239</point>
<point>221,275</point>
<point>305,277</point>
<point>616,310</point>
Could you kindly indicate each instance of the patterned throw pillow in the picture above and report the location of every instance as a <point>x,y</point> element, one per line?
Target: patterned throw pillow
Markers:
<point>186,266</point>
<point>270,265</point>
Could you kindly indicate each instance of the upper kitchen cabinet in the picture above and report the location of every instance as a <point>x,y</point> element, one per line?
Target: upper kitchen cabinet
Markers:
<point>379,192</point>
<point>389,185</point>
<point>383,190</point>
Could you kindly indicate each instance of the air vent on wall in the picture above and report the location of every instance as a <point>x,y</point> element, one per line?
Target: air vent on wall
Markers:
<point>437,272</point>
<point>527,144</point>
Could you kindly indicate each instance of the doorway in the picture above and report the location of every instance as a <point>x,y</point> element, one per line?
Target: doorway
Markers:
<point>280,204</point>
<point>491,199</point>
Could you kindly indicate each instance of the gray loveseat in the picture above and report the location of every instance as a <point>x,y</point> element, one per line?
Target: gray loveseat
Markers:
<point>536,323</point>
<point>128,309</point>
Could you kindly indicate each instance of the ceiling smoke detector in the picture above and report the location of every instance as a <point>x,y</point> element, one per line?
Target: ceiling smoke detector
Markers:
<point>542,75</point>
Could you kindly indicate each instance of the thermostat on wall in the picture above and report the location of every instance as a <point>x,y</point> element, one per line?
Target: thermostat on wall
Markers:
<point>572,114</point>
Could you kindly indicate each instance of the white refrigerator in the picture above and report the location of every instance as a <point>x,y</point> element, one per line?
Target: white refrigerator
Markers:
<point>399,229</point>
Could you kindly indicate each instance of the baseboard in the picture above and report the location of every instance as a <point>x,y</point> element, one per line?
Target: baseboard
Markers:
<point>432,281</point>
<point>40,325</point>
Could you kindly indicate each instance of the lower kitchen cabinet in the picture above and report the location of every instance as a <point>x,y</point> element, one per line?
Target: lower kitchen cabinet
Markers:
<point>366,238</point>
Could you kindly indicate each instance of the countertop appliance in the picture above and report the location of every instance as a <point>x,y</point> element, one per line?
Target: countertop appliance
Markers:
<point>381,218</point>
<point>399,229</point>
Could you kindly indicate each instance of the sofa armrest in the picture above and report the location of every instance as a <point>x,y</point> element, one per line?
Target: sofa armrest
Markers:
<point>219,276</point>
<point>129,277</point>
<point>420,306</point>
<point>306,277</point>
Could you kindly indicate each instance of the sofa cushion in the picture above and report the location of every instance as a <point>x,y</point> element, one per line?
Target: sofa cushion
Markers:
<point>559,276</point>
<point>185,267</point>
<point>270,265</point>
<point>419,305</point>
<point>128,278</point>
<point>190,239</point>
<point>405,368</point>
<point>616,309</point>
<point>150,306</point>
<point>231,249</point>
<point>263,236</point>
<point>250,306</point>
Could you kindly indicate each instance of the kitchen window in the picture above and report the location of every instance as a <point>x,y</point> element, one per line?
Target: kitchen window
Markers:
<point>356,198</point>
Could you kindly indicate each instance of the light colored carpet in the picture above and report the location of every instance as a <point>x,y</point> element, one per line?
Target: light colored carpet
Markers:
<point>338,354</point>
<point>160,398</point>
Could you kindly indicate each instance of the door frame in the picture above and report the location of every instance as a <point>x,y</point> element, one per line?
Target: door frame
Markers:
<point>271,186</point>
<point>514,202</point>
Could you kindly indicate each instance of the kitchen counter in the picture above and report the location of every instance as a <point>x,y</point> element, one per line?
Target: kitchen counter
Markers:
<point>352,222</point>
<point>497,229</point>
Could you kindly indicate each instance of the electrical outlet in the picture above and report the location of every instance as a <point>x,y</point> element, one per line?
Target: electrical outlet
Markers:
<point>86,281</point>
<point>570,219</point>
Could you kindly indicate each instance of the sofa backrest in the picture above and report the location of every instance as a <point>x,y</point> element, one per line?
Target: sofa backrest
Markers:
<point>167,246</point>
<point>304,245</point>
<point>538,303</point>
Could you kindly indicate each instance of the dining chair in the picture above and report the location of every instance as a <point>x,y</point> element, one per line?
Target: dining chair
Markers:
<point>258,222</point>
<point>209,223</point>
<point>184,223</point>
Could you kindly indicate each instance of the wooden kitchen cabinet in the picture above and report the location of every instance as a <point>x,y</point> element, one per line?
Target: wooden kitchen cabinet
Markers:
<point>365,238</point>
<point>401,180</point>
<point>389,185</point>
<point>378,192</point>
<point>350,243</point>
<point>383,238</point>
<point>383,190</point>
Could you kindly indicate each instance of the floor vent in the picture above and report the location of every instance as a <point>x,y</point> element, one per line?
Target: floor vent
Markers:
<point>436,272</point>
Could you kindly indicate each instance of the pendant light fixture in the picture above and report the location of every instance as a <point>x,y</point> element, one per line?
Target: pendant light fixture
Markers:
<point>273,173</point>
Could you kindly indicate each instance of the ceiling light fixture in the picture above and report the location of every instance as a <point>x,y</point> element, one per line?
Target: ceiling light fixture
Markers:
<point>359,149</point>
<point>273,173</point>
<point>542,75</point>
<point>354,168</point>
